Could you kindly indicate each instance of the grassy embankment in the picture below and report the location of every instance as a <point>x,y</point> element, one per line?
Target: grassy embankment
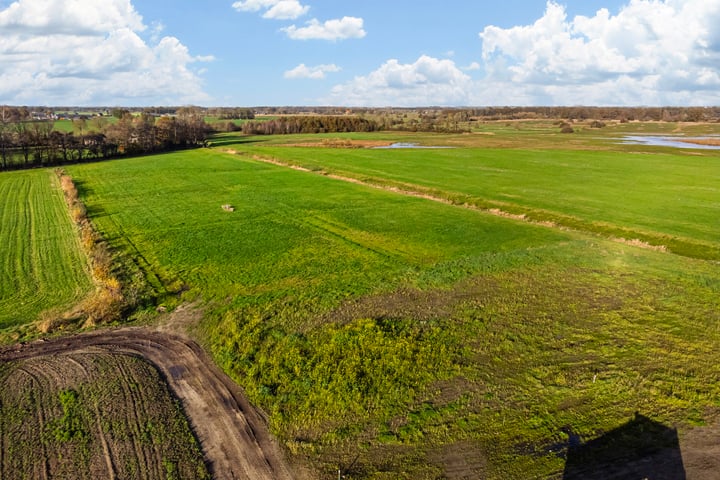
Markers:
<point>385,333</point>
<point>42,264</point>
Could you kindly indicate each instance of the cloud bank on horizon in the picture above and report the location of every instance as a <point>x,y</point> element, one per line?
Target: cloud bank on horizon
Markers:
<point>101,52</point>
<point>653,52</point>
<point>86,52</point>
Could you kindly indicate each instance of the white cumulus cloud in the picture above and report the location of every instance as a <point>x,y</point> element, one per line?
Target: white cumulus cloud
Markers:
<point>315,73</point>
<point>274,9</point>
<point>649,52</point>
<point>428,81</point>
<point>654,52</point>
<point>86,52</point>
<point>337,29</point>
<point>69,17</point>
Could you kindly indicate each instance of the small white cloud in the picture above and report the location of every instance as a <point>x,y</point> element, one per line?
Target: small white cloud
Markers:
<point>88,52</point>
<point>286,10</point>
<point>472,67</point>
<point>315,73</point>
<point>156,29</point>
<point>337,29</point>
<point>253,5</point>
<point>203,58</point>
<point>274,9</point>
<point>428,81</point>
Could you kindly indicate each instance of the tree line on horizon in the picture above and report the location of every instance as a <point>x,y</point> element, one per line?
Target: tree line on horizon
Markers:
<point>311,124</point>
<point>456,119</point>
<point>28,137</point>
<point>638,113</point>
<point>28,143</point>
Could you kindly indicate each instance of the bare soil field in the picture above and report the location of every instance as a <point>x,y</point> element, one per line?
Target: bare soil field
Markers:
<point>87,415</point>
<point>234,437</point>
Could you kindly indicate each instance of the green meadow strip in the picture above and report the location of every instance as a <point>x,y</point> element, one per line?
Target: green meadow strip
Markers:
<point>42,266</point>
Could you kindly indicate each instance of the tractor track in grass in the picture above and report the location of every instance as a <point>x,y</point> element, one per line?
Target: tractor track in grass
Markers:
<point>233,434</point>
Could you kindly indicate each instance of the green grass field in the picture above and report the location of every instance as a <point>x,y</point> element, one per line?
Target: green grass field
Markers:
<point>42,267</point>
<point>668,199</point>
<point>395,337</point>
<point>290,234</point>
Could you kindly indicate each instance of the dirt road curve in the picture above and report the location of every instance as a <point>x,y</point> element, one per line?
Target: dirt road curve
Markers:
<point>234,437</point>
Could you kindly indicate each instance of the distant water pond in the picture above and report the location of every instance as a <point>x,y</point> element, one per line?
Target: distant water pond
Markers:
<point>663,141</point>
<point>407,145</point>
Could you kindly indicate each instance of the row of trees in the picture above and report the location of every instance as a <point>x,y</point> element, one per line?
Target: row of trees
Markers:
<point>458,120</point>
<point>658,114</point>
<point>310,124</point>
<point>670,114</point>
<point>234,113</point>
<point>28,143</point>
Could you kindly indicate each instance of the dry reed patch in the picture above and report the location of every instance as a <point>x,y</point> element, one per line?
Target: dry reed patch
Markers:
<point>342,143</point>
<point>501,213</point>
<point>107,302</point>
<point>636,242</point>
<point>275,161</point>
<point>710,142</point>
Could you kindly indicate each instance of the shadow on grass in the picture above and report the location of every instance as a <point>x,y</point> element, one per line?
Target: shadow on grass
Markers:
<point>640,449</point>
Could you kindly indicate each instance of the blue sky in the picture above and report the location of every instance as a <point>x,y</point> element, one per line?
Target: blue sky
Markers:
<point>360,53</point>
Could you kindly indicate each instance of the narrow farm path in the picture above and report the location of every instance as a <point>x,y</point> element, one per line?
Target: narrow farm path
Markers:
<point>234,436</point>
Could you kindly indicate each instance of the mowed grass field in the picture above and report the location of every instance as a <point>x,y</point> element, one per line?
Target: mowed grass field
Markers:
<point>42,264</point>
<point>390,336</point>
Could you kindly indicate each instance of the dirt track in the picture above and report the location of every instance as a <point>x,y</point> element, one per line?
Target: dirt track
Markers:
<point>234,437</point>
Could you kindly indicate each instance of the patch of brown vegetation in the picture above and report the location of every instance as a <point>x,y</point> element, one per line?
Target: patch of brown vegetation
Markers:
<point>461,461</point>
<point>711,142</point>
<point>279,163</point>
<point>107,302</point>
<point>636,242</point>
<point>500,213</point>
<point>342,143</point>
